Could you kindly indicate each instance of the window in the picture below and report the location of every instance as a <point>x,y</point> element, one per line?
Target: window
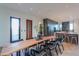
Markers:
<point>14,29</point>
<point>60,26</point>
<point>71,26</point>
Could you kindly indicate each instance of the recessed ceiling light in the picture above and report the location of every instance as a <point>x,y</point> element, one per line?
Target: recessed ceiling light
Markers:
<point>31,9</point>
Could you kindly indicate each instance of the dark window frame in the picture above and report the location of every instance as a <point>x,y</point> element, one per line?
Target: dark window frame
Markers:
<point>11,41</point>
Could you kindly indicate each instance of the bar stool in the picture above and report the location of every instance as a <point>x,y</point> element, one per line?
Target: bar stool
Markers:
<point>68,38</point>
<point>74,38</point>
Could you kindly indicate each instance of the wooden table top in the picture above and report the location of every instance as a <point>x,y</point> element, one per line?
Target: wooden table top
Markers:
<point>63,32</point>
<point>14,47</point>
<point>17,46</point>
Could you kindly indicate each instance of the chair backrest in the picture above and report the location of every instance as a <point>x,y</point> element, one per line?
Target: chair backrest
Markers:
<point>61,39</point>
<point>46,41</point>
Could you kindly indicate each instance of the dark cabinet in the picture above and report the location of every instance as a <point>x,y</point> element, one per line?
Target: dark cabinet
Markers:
<point>50,26</point>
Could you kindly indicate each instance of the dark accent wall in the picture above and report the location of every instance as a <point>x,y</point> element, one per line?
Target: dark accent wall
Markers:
<point>46,22</point>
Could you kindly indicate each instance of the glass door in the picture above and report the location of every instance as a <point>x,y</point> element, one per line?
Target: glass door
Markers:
<point>14,29</point>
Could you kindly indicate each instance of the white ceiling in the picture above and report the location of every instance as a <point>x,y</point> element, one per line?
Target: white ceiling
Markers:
<point>50,10</point>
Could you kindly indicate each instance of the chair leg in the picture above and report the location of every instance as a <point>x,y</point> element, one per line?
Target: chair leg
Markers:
<point>48,51</point>
<point>62,47</point>
<point>11,54</point>
<point>33,52</point>
<point>27,52</point>
<point>50,54</point>
<point>59,49</point>
<point>18,53</point>
<point>56,51</point>
<point>76,42</point>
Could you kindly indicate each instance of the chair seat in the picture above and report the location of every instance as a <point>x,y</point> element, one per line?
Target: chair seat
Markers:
<point>39,52</point>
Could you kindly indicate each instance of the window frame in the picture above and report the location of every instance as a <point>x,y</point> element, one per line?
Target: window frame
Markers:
<point>11,41</point>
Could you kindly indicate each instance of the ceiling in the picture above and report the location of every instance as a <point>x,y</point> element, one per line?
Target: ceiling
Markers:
<point>49,10</point>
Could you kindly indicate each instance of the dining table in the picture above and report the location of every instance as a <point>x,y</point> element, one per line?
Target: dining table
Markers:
<point>7,50</point>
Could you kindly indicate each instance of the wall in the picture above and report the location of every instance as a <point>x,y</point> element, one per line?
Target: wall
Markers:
<point>76,23</point>
<point>5,14</point>
<point>76,26</point>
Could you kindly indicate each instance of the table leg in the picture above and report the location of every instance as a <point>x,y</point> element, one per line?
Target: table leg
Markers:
<point>18,53</point>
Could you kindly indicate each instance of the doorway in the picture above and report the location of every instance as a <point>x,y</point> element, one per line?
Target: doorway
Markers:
<point>28,29</point>
<point>14,29</point>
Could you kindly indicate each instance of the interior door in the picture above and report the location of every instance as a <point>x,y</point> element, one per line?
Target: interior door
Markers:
<point>28,29</point>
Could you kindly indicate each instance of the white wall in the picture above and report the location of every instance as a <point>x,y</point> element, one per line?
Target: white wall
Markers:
<point>5,14</point>
<point>76,26</point>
